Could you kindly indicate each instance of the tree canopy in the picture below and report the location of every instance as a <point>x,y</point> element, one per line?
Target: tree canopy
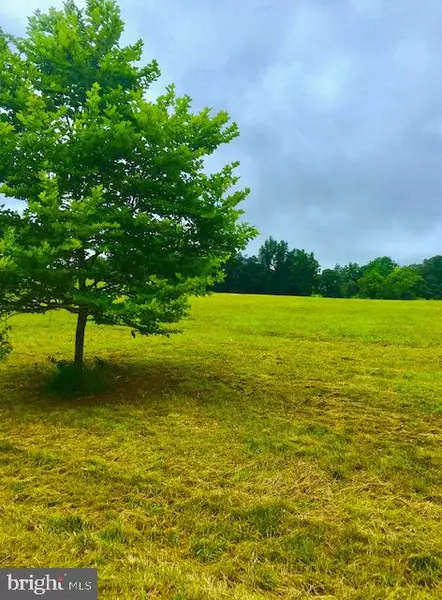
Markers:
<point>278,270</point>
<point>275,270</point>
<point>121,221</point>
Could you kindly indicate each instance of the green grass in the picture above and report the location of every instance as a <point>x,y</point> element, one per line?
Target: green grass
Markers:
<point>278,448</point>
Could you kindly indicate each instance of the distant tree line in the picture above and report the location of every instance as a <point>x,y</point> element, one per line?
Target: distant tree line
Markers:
<point>278,270</point>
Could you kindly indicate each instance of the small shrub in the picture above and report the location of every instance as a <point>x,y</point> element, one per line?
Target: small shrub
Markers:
<point>70,380</point>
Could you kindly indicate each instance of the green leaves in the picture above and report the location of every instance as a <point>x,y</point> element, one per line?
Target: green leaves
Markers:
<point>120,216</point>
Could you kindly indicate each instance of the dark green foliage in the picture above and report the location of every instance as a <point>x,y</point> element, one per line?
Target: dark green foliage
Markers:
<point>431,271</point>
<point>350,275</point>
<point>278,270</point>
<point>370,285</point>
<point>382,265</point>
<point>275,270</point>
<point>121,222</point>
<point>303,270</point>
<point>330,283</point>
<point>373,275</point>
<point>242,274</point>
<point>273,258</point>
<point>403,283</point>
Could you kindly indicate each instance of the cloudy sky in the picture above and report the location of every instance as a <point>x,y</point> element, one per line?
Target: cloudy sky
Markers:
<point>338,101</point>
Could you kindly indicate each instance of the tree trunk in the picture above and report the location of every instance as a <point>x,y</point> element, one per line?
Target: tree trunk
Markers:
<point>79,337</point>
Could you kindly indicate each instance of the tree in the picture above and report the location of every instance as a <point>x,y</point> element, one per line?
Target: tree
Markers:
<point>431,271</point>
<point>232,270</point>
<point>276,270</point>
<point>254,276</point>
<point>272,256</point>
<point>350,275</point>
<point>303,271</point>
<point>243,275</point>
<point>370,284</point>
<point>384,265</point>
<point>403,283</point>
<point>330,283</point>
<point>373,276</point>
<point>121,222</point>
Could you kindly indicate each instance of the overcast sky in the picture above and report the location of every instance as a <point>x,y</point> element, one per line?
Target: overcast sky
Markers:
<point>339,105</point>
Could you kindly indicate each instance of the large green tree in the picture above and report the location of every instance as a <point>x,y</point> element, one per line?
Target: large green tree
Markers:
<point>383,265</point>
<point>243,275</point>
<point>272,256</point>
<point>431,271</point>
<point>121,220</point>
<point>303,271</point>
<point>330,283</point>
<point>403,283</point>
<point>349,275</point>
<point>370,285</point>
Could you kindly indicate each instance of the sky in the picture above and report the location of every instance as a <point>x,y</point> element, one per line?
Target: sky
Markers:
<point>338,102</point>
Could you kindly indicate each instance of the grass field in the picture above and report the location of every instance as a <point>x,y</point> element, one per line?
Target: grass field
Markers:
<point>278,448</point>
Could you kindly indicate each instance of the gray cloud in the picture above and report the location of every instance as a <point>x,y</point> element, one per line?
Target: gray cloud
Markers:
<point>338,104</point>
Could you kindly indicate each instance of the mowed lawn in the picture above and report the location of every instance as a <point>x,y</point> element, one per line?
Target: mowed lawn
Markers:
<point>278,448</point>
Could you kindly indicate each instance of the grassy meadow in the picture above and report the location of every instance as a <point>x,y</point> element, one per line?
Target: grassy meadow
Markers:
<point>278,448</point>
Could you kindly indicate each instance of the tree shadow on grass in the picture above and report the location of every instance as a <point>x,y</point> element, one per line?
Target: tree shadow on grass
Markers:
<point>150,383</point>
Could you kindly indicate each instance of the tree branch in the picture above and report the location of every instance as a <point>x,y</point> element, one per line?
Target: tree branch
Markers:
<point>38,308</point>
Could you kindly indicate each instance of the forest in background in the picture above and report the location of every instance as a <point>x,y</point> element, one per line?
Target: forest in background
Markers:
<point>277,269</point>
